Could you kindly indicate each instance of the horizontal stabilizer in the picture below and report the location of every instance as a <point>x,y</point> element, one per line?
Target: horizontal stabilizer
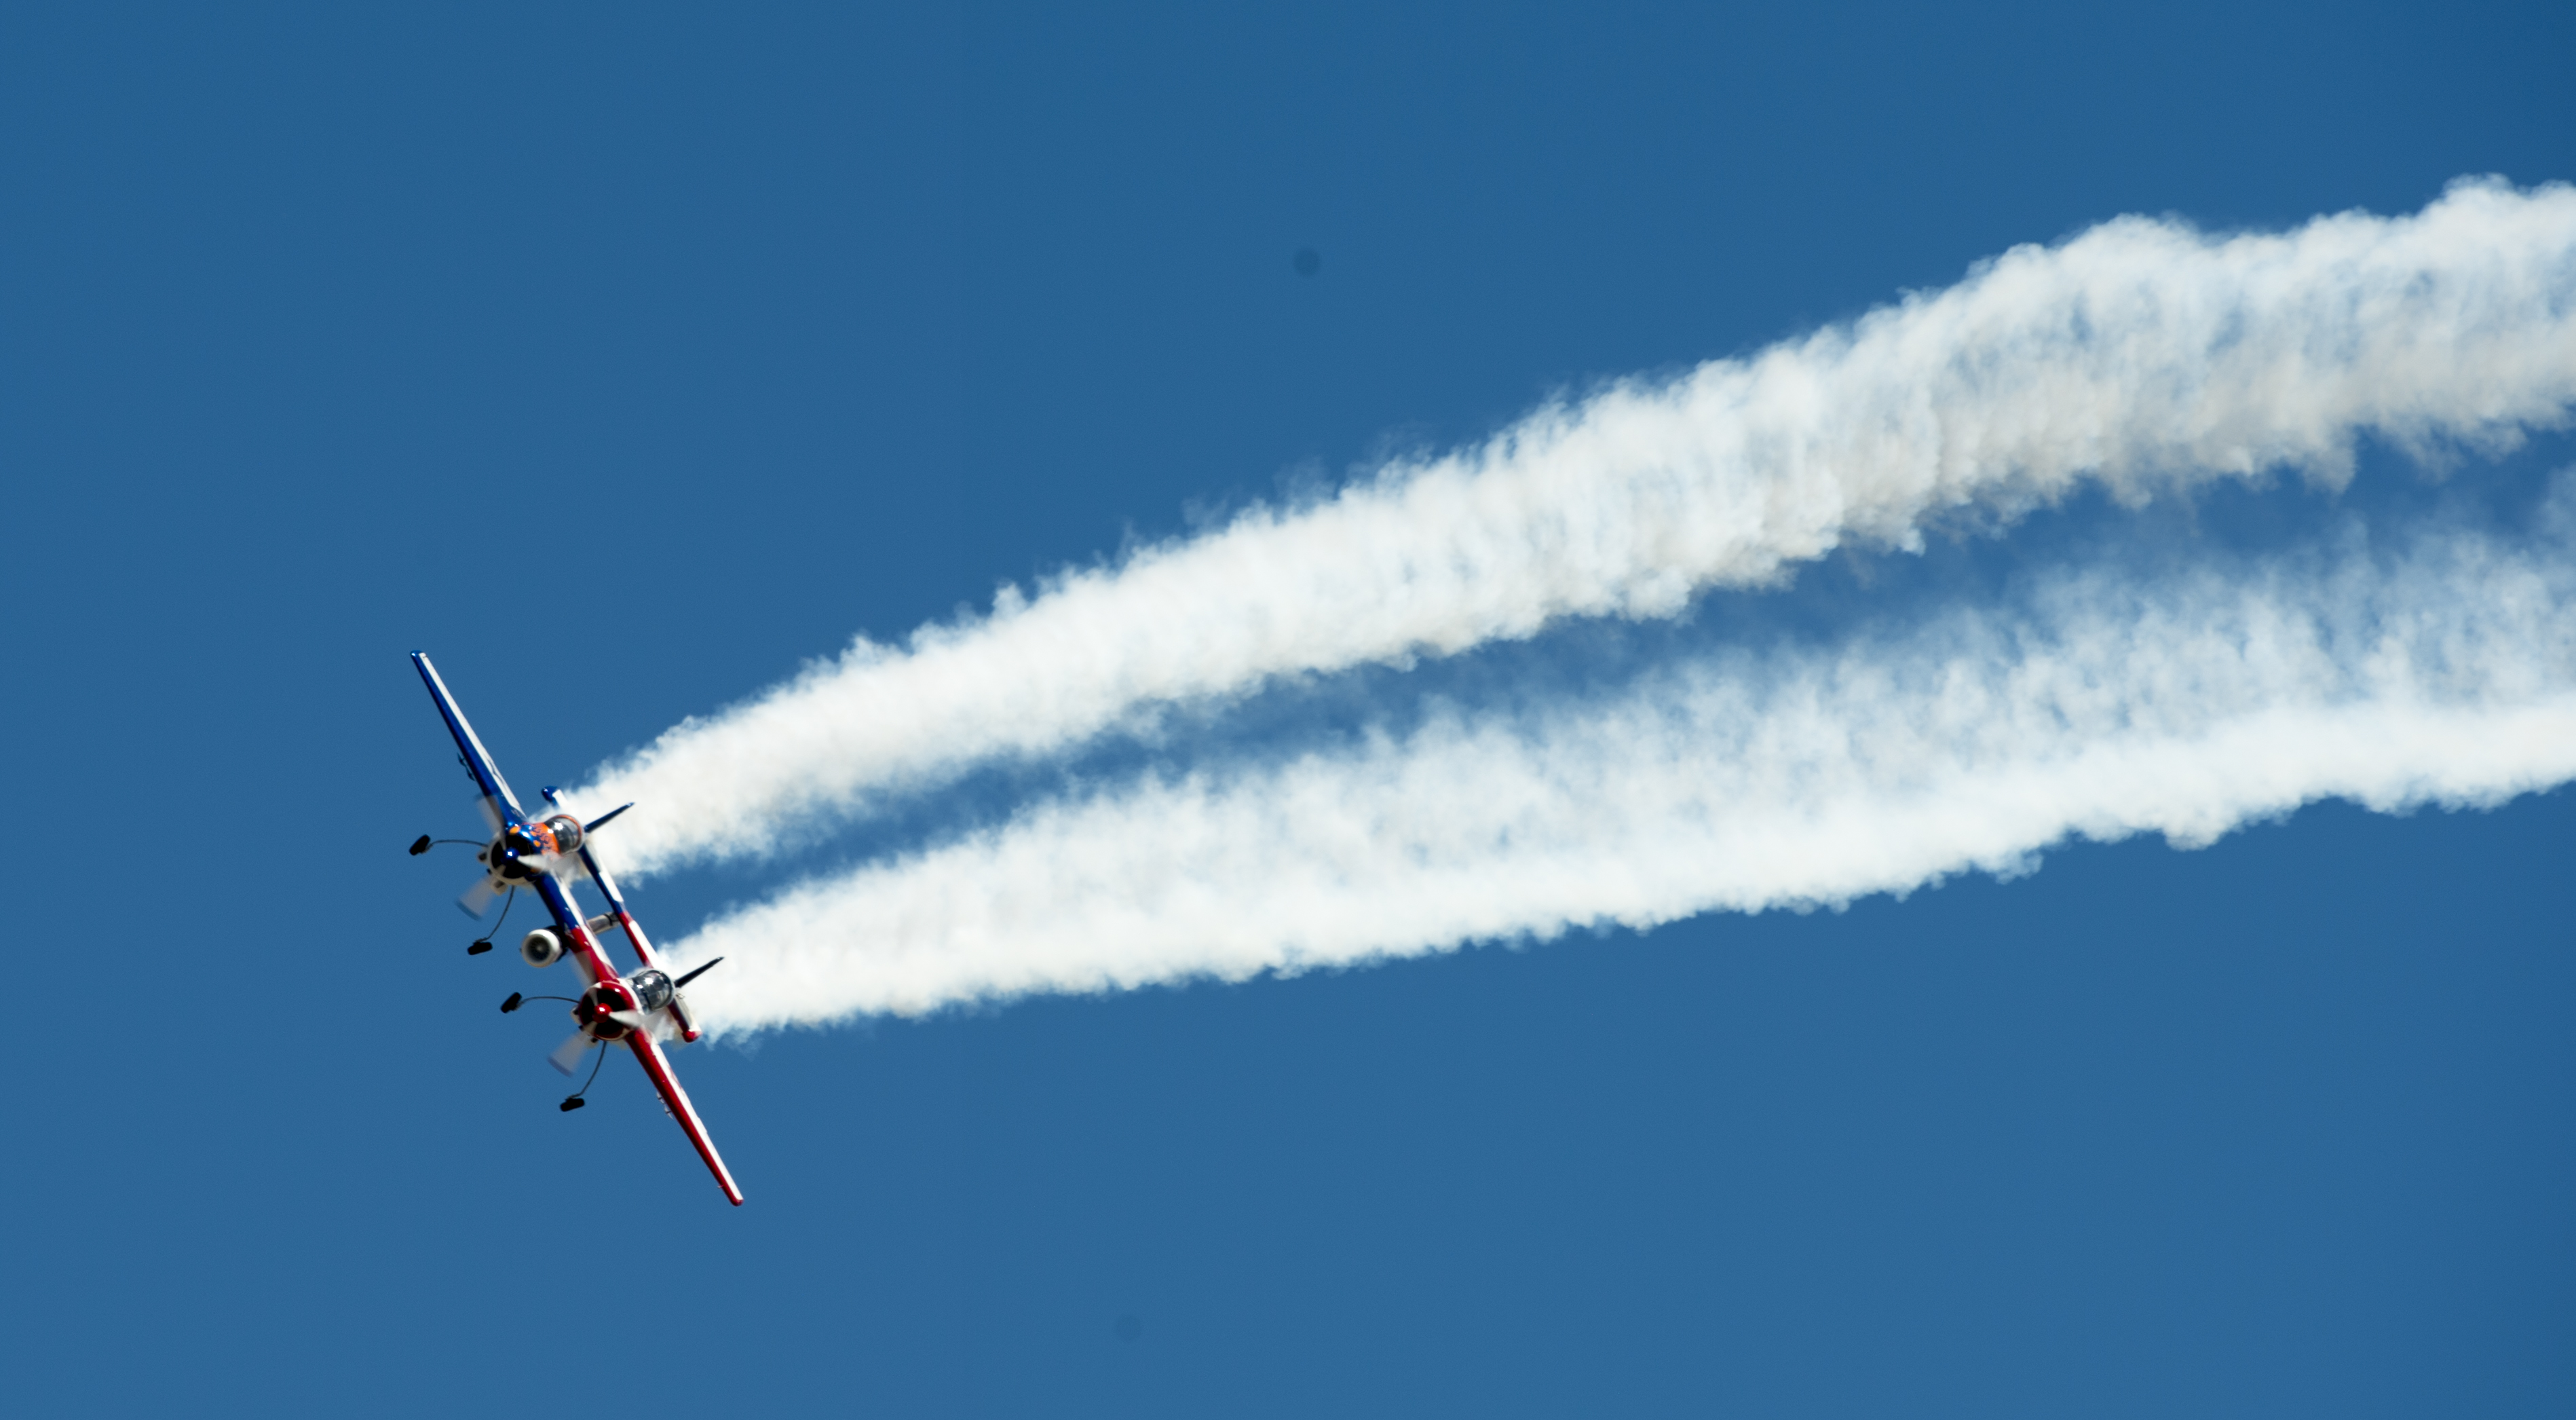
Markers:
<point>695,974</point>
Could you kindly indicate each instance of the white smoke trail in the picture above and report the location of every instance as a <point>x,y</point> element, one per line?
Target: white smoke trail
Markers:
<point>2141,354</point>
<point>2105,705</point>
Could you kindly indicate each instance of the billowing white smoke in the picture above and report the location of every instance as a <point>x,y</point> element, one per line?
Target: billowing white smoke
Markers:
<point>2105,704</point>
<point>2141,354</point>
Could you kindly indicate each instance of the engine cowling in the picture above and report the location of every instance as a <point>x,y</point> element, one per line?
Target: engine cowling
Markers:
<point>542,947</point>
<point>609,1011</point>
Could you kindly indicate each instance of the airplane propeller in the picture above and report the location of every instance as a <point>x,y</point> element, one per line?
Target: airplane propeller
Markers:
<point>477,900</point>
<point>565,1052</point>
<point>568,1055</point>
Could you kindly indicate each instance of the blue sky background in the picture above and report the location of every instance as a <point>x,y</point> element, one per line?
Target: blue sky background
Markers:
<point>625,357</point>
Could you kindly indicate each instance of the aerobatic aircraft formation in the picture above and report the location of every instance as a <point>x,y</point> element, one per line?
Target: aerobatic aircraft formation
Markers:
<point>641,1010</point>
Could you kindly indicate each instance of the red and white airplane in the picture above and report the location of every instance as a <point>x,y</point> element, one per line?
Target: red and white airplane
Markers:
<point>638,1010</point>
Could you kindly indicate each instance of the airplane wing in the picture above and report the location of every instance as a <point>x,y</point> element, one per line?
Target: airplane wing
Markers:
<point>656,1065</point>
<point>478,761</point>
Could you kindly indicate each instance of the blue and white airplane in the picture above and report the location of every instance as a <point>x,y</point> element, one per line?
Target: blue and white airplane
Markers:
<point>638,1010</point>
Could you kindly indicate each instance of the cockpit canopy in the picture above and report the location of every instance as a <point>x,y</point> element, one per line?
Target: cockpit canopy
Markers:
<point>559,833</point>
<point>652,989</point>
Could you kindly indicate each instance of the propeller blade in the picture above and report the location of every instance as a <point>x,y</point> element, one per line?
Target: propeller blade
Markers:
<point>567,1056</point>
<point>477,900</point>
<point>632,1020</point>
<point>491,812</point>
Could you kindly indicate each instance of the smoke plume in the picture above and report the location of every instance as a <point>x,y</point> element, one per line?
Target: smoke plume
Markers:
<point>2102,703</point>
<point>2140,356</point>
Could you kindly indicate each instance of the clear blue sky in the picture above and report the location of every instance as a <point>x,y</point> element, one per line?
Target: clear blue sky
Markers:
<point>625,357</point>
